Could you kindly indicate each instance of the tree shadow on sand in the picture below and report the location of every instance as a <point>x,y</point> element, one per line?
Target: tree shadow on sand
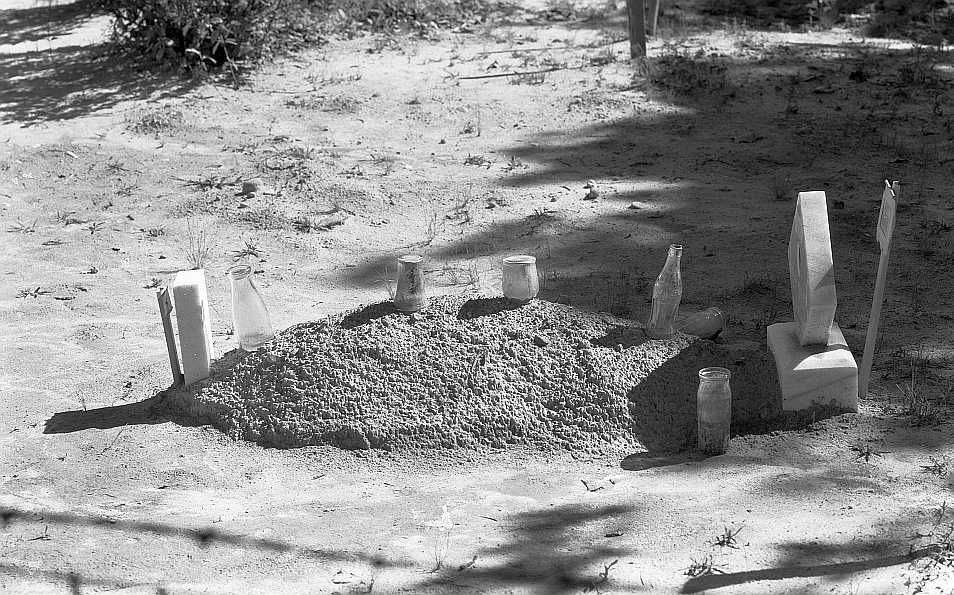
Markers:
<point>203,537</point>
<point>73,81</point>
<point>37,23</point>
<point>539,553</point>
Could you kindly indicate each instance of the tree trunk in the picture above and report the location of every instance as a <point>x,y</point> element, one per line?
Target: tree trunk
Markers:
<point>653,16</point>
<point>637,28</point>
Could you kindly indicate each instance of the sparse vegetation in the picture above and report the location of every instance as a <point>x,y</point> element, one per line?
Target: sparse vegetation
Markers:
<point>212,182</point>
<point>336,104</point>
<point>938,466</point>
<point>727,537</point>
<point>306,224</point>
<point>478,160</point>
<point>95,226</point>
<point>681,71</point>
<point>198,36</point>
<point>249,250</point>
<point>155,122</point>
<point>33,292</point>
<point>200,243</point>
<point>702,567</point>
<point>21,227</point>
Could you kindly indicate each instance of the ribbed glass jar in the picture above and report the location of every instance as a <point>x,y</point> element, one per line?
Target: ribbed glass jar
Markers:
<point>714,409</point>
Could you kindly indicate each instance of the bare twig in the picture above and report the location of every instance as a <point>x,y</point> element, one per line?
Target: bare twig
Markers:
<point>526,73</point>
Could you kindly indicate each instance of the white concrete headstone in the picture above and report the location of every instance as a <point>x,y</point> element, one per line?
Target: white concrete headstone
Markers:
<point>195,326</point>
<point>812,270</point>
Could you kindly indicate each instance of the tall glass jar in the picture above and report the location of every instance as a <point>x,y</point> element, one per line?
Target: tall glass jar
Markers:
<point>249,314</point>
<point>667,293</point>
<point>714,409</point>
<point>410,294</point>
<point>519,279</point>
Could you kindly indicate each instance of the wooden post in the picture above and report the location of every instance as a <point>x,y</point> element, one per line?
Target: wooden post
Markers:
<point>653,16</point>
<point>885,230</point>
<point>165,311</point>
<point>637,28</point>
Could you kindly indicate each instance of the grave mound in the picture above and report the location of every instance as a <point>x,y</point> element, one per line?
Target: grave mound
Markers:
<point>471,373</point>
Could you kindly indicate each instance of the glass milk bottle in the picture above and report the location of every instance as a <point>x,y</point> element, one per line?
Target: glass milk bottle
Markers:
<point>667,293</point>
<point>714,410</point>
<point>249,314</point>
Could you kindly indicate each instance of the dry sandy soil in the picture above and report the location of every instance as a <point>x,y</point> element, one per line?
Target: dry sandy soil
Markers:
<point>102,167</point>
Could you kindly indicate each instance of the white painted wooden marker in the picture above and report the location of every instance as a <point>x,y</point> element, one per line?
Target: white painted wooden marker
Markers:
<point>195,326</point>
<point>812,270</point>
<point>889,205</point>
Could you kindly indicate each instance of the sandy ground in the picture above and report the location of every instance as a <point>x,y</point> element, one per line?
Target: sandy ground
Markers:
<point>102,167</point>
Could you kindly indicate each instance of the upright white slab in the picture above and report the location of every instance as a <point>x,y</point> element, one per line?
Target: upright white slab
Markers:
<point>195,326</point>
<point>812,270</point>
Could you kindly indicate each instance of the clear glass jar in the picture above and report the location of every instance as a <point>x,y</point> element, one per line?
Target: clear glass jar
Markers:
<point>714,409</point>
<point>667,293</point>
<point>249,314</point>
<point>411,292</point>
<point>519,277</point>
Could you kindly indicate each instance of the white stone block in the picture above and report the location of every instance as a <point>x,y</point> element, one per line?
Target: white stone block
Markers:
<point>814,374</point>
<point>811,269</point>
<point>195,327</point>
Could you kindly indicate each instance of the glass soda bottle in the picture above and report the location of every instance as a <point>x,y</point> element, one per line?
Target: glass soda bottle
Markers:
<point>714,410</point>
<point>249,313</point>
<point>667,293</point>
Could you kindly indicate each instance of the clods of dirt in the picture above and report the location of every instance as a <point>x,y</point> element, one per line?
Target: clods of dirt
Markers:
<point>472,373</point>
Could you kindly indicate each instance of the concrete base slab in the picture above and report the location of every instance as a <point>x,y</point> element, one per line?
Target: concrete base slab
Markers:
<point>813,375</point>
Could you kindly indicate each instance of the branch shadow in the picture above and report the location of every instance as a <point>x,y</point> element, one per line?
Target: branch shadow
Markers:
<point>872,554</point>
<point>537,554</point>
<point>74,81</point>
<point>202,537</point>
<point>75,581</point>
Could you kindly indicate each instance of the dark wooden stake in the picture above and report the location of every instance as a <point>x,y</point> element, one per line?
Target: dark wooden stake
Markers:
<point>165,311</point>
<point>637,28</point>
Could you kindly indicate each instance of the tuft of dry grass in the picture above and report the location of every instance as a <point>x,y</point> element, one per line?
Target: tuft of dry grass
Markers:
<point>200,243</point>
<point>163,120</point>
<point>21,227</point>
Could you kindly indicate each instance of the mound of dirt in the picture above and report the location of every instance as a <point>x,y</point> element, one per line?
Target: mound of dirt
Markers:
<point>482,372</point>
